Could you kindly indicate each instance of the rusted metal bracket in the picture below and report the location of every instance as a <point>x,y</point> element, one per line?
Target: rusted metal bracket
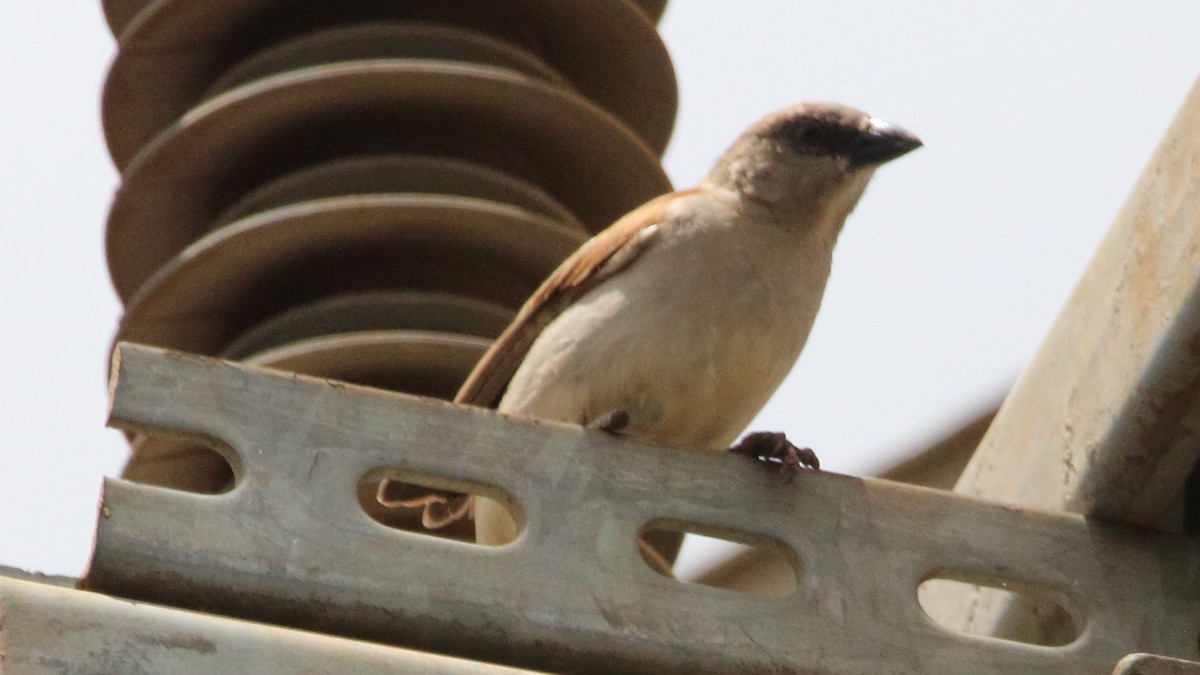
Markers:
<point>291,544</point>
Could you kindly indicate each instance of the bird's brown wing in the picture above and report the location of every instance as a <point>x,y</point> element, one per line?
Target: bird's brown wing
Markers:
<point>600,257</point>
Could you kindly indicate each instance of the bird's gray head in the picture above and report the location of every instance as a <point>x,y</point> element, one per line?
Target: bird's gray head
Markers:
<point>810,162</point>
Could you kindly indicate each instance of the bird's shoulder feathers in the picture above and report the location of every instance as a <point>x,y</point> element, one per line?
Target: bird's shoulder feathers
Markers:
<point>599,258</point>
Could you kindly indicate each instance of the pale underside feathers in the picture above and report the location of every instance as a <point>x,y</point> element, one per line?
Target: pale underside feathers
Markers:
<point>608,252</point>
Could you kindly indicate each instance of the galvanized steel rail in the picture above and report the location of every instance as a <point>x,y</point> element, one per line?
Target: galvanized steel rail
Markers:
<point>291,544</point>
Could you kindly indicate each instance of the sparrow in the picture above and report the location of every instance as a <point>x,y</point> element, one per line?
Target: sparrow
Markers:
<point>677,323</point>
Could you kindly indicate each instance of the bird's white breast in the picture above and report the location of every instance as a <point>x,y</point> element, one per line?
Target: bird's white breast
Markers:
<point>690,340</point>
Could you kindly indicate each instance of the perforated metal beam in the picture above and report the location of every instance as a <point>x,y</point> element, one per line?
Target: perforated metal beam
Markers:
<point>290,544</point>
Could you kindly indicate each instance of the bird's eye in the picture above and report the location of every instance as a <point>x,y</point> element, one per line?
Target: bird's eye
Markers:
<point>821,137</point>
<point>809,136</point>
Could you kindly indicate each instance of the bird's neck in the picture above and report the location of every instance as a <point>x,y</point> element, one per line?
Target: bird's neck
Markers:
<point>804,200</point>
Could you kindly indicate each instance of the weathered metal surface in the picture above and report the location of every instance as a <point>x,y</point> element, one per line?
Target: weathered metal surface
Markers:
<point>1106,418</point>
<point>937,465</point>
<point>37,577</point>
<point>47,629</point>
<point>1149,664</point>
<point>290,543</point>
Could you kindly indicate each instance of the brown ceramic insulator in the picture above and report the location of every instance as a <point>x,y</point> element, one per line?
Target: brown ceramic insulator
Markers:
<point>373,41</point>
<point>219,152</point>
<point>397,174</point>
<point>177,49</point>
<point>236,277</point>
<point>373,310</point>
<point>120,13</point>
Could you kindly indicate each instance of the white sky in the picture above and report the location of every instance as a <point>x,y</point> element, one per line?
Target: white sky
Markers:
<point>1037,119</point>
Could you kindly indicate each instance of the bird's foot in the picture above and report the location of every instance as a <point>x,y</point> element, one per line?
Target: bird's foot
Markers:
<point>774,449</point>
<point>611,422</point>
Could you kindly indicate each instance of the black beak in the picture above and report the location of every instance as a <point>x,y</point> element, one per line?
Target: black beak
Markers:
<point>880,143</point>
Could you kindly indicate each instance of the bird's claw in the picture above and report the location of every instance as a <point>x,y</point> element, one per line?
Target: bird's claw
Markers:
<point>611,422</point>
<point>774,449</point>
